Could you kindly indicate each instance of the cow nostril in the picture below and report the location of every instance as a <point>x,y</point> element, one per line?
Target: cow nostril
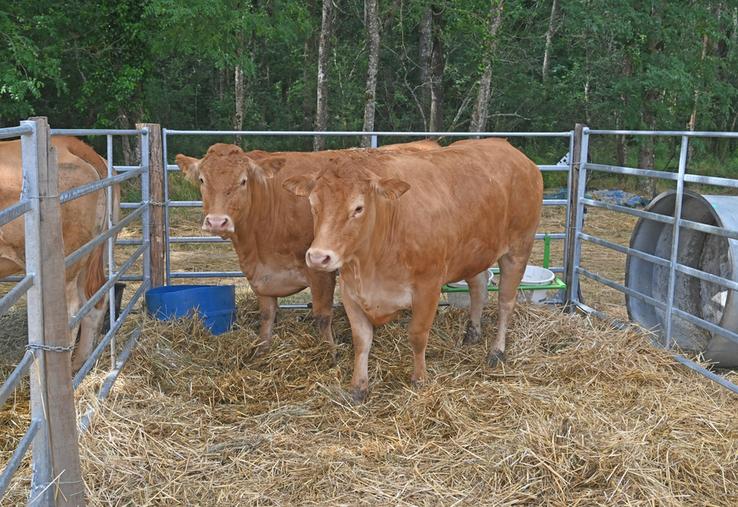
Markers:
<point>224,223</point>
<point>326,259</point>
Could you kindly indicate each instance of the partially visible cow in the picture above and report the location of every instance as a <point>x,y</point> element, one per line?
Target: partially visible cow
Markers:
<point>82,219</point>
<point>399,226</point>
<point>271,229</point>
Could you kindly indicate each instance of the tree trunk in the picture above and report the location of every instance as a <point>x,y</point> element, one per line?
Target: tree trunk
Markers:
<point>691,125</point>
<point>308,93</point>
<point>549,39</point>
<point>321,106</point>
<point>481,108</point>
<point>425,61</point>
<point>238,95</point>
<point>646,156</point>
<point>438,67</point>
<point>371,74</point>
<point>693,117</point>
<point>130,150</point>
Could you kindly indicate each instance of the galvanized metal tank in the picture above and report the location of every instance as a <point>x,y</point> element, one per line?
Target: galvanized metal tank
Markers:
<point>707,252</point>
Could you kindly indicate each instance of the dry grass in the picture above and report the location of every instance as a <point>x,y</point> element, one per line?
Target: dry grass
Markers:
<point>581,414</point>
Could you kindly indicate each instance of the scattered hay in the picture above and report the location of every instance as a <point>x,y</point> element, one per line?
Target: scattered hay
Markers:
<point>581,414</point>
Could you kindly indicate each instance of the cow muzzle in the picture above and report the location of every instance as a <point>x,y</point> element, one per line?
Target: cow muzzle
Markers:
<point>217,224</point>
<point>323,260</point>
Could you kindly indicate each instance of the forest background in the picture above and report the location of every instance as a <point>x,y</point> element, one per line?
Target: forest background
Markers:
<point>385,65</point>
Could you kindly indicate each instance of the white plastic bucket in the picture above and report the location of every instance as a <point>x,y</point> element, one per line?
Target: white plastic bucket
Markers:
<point>536,275</point>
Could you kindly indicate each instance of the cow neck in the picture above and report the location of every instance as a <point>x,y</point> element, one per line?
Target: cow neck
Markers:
<point>254,229</point>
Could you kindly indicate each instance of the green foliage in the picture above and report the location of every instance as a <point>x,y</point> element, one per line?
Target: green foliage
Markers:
<point>614,63</point>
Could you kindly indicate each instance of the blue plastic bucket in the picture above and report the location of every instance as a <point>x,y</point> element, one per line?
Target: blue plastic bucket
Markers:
<point>216,304</point>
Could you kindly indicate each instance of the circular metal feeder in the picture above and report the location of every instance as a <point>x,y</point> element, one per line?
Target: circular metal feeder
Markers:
<point>707,252</point>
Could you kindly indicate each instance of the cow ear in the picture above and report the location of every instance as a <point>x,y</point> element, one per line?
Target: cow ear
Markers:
<point>190,166</point>
<point>267,168</point>
<point>300,185</point>
<point>390,188</point>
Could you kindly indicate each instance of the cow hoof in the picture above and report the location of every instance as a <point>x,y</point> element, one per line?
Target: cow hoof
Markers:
<point>332,356</point>
<point>417,383</point>
<point>359,395</point>
<point>495,357</point>
<point>472,336</point>
<point>260,351</point>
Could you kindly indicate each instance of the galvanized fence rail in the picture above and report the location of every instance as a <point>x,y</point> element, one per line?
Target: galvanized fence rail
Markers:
<point>677,223</point>
<point>56,476</point>
<point>568,137</point>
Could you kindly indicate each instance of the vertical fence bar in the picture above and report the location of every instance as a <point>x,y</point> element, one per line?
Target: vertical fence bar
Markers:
<point>111,245</point>
<point>167,243</point>
<point>375,141</point>
<point>156,176</point>
<point>146,198</point>
<point>573,209</point>
<point>576,253</point>
<point>668,318</point>
<point>568,218</point>
<point>57,477</point>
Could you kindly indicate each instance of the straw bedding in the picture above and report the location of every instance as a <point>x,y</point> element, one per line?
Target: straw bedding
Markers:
<point>581,414</point>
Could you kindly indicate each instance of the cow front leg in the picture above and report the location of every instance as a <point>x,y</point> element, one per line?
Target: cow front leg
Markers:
<point>425,303</point>
<point>478,297</point>
<point>267,313</point>
<point>362,334</point>
<point>322,286</point>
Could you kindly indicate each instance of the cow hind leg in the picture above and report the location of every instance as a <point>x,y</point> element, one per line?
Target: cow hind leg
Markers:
<point>478,296</point>
<point>267,314</point>
<point>74,303</point>
<point>90,328</point>
<point>512,268</point>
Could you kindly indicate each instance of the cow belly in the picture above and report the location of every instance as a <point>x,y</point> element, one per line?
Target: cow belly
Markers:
<point>278,282</point>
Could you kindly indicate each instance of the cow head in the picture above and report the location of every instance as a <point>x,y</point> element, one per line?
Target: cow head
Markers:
<point>344,202</point>
<point>227,178</point>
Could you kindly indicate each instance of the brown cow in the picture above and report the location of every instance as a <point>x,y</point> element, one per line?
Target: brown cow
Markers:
<point>271,229</point>
<point>399,226</point>
<point>82,220</point>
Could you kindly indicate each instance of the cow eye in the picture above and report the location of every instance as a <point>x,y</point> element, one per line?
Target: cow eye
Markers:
<point>358,210</point>
<point>201,179</point>
<point>243,182</point>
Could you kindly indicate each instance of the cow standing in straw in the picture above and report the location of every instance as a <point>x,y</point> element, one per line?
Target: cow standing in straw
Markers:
<point>82,220</point>
<point>399,226</point>
<point>271,229</point>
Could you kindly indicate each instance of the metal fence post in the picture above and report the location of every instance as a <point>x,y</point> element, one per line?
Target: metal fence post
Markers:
<point>575,155</point>
<point>375,141</point>
<point>167,242</point>
<point>111,247</point>
<point>57,477</point>
<point>674,256</point>
<point>156,175</point>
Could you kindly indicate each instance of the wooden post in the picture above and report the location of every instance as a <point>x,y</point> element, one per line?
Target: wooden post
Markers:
<point>570,233</point>
<point>157,173</point>
<point>57,477</point>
